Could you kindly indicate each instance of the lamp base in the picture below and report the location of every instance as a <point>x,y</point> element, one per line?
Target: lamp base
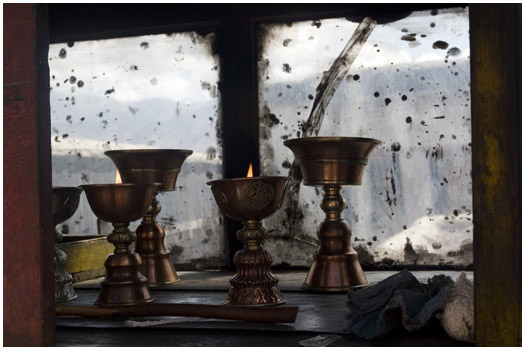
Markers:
<point>335,273</point>
<point>253,284</point>
<point>124,284</point>
<point>335,267</point>
<point>159,269</point>
<point>156,264</point>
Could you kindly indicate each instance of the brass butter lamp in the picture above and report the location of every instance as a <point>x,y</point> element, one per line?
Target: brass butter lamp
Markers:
<point>332,162</point>
<point>121,204</point>
<point>160,166</point>
<point>65,204</point>
<point>250,200</point>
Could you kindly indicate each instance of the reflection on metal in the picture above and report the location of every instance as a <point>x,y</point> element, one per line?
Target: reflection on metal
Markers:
<point>335,266</point>
<point>158,166</point>
<point>65,203</point>
<point>120,204</point>
<point>415,207</point>
<point>251,200</point>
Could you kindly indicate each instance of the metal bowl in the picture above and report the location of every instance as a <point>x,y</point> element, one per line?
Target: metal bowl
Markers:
<point>332,160</point>
<point>65,203</point>
<point>251,198</point>
<point>150,165</point>
<point>120,203</point>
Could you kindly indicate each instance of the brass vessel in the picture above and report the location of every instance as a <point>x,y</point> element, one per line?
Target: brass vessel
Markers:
<point>251,200</point>
<point>332,162</point>
<point>121,204</point>
<point>65,204</point>
<point>160,166</point>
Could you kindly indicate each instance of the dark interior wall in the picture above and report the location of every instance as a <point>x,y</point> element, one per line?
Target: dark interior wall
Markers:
<point>29,315</point>
<point>101,21</point>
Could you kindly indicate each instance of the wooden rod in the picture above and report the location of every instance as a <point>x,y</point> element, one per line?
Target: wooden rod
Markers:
<point>240,313</point>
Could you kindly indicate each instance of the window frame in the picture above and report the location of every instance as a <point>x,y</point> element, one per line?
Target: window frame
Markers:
<point>236,45</point>
<point>496,110</point>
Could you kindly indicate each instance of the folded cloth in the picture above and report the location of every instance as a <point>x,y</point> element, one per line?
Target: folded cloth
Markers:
<point>398,299</point>
<point>458,312</point>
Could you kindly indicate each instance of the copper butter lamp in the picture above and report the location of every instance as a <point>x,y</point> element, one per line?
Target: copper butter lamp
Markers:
<point>250,200</point>
<point>121,204</point>
<point>65,204</point>
<point>160,166</point>
<point>332,162</point>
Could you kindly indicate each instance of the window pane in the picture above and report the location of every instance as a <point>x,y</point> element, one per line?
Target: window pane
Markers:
<point>409,87</point>
<point>157,91</point>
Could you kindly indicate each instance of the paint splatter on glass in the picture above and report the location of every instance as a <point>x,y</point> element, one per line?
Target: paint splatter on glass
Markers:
<point>409,87</point>
<point>155,91</point>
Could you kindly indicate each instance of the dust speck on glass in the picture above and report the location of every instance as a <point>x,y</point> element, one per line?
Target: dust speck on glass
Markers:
<point>155,91</point>
<point>409,86</point>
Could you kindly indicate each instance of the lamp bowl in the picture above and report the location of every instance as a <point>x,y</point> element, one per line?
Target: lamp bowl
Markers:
<point>120,203</point>
<point>65,203</point>
<point>160,166</point>
<point>332,160</point>
<point>251,198</point>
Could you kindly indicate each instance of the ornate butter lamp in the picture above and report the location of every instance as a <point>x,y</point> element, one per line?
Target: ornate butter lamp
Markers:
<point>121,204</point>
<point>160,166</point>
<point>251,199</point>
<point>65,204</point>
<point>332,162</point>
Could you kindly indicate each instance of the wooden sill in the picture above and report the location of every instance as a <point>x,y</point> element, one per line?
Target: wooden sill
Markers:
<point>319,313</point>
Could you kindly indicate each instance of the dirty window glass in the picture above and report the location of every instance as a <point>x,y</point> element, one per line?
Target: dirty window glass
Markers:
<point>409,86</point>
<point>156,91</point>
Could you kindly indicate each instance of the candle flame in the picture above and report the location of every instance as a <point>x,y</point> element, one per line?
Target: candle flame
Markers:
<point>118,180</point>
<point>250,171</point>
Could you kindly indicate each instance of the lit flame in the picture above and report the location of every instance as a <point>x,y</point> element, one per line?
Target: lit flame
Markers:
<point>118,180</point>
<point>250,171</point>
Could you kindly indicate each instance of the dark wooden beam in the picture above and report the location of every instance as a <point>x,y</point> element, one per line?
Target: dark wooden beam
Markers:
<point>495,34</point>
<point>75,22</point>
<point>239,112</point>
<point>28,278</point>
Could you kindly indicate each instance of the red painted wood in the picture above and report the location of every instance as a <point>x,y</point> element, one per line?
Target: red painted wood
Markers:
<point>28,300</point>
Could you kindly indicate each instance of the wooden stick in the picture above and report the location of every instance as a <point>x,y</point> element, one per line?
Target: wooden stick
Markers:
<point>240,313</point>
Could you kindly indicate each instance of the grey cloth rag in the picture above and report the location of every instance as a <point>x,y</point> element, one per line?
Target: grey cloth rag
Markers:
<point>398,299</point>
